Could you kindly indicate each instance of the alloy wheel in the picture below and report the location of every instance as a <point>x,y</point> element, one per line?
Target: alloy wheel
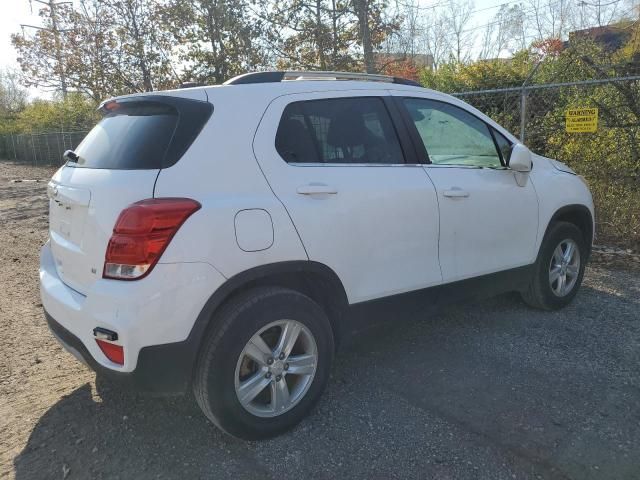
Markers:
<point>564,267</point>
<point>276,368</point>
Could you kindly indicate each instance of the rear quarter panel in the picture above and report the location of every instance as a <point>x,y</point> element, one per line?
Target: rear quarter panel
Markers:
<point>220,171</point>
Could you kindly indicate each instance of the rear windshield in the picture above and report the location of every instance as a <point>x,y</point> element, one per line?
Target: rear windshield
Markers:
<point>135,136</point>
<point>138,134</point>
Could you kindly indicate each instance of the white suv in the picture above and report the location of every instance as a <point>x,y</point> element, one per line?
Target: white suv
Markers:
<point>226,238</point>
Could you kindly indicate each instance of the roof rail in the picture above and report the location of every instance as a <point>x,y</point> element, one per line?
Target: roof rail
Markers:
<point>280,76</point>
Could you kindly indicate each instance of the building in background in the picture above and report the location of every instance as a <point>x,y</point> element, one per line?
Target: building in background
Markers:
<point>611,37</point>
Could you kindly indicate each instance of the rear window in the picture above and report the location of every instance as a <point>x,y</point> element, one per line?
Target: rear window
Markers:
<point>138,135</point>
<point>132,137</point>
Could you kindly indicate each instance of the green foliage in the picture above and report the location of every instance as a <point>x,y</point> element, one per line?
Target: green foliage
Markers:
<point>74,113</point>
<point>608,159</point>
<point>111,47</point>
<point>323,37</point>
<point>101,48</point>
<point>326,34</point>
<point>220,38</point>
<point>481,75</point>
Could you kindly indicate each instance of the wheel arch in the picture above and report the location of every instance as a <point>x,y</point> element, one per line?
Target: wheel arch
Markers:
<point>313,279</point>
<point>580,216</point>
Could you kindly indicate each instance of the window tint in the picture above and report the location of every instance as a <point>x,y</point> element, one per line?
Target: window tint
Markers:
<point>132,137</point>
<point>504,145</point>
<point>451,135</point>
<point>338,130</point>
<point>293,140</point>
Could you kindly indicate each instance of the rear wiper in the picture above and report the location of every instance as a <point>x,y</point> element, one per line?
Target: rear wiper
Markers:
<point>71,156</point>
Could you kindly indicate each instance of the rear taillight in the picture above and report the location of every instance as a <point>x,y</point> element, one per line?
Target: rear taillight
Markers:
<point>142,232</point>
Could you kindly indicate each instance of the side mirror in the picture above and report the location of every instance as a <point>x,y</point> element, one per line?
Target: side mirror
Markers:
<point>520,160</point>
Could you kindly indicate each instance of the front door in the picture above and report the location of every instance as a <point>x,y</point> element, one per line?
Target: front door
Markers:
<point>336,163</point>
<point>488,223</point>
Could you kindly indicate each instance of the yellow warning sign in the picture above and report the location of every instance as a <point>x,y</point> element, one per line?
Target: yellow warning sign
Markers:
<point>582,120</point>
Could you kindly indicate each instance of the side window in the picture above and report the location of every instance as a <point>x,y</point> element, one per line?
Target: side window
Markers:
<point>451,135</point>
<point>504,145</point>
<point>338,130</point>
<point>293,139</point>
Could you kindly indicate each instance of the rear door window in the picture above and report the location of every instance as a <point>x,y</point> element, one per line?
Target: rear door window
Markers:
<point>338,130</point>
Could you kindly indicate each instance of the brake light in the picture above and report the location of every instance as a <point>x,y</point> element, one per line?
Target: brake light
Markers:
<point>141,234</point>
<point>111,106</point>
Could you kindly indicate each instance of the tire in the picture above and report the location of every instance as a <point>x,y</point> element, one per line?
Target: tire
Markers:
<point>543,293</point>
<point>218,377</point>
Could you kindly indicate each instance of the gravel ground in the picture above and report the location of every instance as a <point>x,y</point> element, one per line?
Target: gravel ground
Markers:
<point>488,390</point>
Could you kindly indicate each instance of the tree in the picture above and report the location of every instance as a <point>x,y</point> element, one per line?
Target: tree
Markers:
<point>408,37</point>
<point>142,55</point>
<point>217,39</point>
<point>403,68</point>
<point>362,10</point>
<point>13,97</point>
<point>372,28</point>
<point>90,52</point>
<point>74,113</point>
<point>436,38</point>
<point>322,35</point>
<point>456,18</point>
<point>555,19</point>
<point>327,34</point>
<point>505,33</point>
<point>108,47</point>
<point>41,54</point>
<point>412,35</point>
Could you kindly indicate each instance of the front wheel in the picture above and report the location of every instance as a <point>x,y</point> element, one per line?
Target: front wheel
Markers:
<point>559,268</point>
<point>265,364</point>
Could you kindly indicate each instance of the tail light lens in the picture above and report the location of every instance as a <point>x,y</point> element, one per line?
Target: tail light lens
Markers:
<point>142,232</point>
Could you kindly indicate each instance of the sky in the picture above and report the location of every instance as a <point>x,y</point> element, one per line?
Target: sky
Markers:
<point>12,14</point>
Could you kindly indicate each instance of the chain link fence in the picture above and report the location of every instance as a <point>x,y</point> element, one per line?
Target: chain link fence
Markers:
<point>535,113</point>
<point>606,152</point>
<point>39,148</point>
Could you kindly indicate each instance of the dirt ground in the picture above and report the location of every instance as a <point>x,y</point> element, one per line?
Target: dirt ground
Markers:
<point>489,390</point>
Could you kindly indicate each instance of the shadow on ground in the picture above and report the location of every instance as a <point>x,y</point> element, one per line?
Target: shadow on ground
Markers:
<point>488,390</point>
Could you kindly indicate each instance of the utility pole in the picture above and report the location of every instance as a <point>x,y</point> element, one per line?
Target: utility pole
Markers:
<point>52,4</point>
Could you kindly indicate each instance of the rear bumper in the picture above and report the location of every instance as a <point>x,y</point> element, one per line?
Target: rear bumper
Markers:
<point>153,318</point>
<point>162,369</point>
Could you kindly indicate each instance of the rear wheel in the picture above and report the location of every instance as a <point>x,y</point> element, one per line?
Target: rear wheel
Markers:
<point>559,268</point>
<point>266,364</point>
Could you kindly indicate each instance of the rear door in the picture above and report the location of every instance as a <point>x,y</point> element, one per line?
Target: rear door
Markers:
<point>488,223</point>
<point>118,163</point>
<point>360,202</point>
